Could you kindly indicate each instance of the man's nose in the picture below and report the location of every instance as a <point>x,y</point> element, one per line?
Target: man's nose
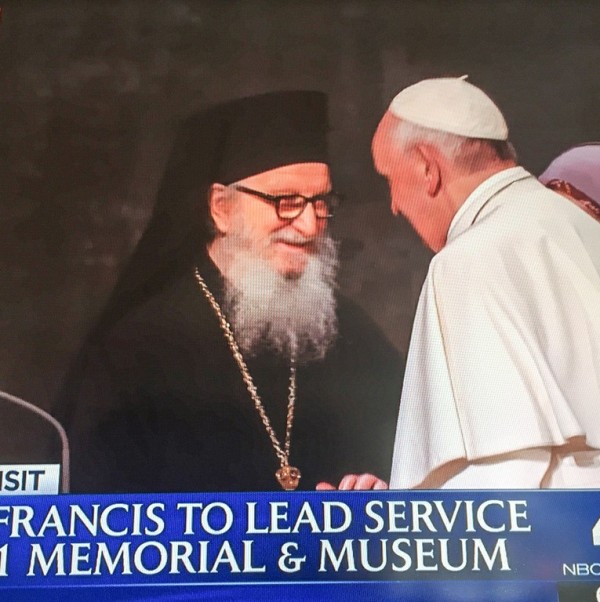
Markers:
<point>307,222</point>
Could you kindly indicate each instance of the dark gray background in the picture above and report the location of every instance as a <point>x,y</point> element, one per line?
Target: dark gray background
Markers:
<point>91,93</point>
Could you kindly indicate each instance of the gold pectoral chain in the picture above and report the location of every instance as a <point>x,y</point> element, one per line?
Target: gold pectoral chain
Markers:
<point>288,476</point>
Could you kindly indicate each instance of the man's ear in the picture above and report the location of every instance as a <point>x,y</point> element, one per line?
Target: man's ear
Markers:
<point>431,169</point>
<point>220,207</point>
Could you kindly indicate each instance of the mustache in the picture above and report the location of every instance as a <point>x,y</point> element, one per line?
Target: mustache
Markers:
<point>293,238</point>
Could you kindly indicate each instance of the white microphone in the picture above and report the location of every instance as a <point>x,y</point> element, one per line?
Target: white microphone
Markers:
<point>6,471</point>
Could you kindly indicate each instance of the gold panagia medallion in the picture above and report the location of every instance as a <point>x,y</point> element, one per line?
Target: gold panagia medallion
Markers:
<point>288,477</point>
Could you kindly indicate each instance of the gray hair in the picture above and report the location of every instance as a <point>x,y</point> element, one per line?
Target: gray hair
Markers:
<point>230,194</point>
<point>468,153</point>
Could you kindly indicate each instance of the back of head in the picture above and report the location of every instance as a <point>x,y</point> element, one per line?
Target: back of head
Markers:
<point>455,116</point>
<point>580,167</point>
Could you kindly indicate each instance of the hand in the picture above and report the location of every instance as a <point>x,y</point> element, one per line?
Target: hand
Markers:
<point>355,482</point>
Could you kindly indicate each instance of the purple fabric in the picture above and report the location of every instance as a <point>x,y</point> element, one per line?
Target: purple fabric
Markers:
<point>580,167</point>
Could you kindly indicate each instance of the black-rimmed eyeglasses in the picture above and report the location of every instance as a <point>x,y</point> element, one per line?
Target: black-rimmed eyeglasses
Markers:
<point>290,206</point>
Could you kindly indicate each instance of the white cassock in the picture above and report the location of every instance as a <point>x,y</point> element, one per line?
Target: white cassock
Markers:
<point>502,385</point>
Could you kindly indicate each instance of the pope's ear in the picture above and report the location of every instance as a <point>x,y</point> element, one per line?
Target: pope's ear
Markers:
<point>220,207</point>
<point>431,168</point>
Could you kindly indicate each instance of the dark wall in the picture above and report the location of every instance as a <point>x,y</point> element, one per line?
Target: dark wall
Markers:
<point>91,93</point>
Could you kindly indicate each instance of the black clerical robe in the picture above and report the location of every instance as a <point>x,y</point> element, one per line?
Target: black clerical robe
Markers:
<point>157,403</point>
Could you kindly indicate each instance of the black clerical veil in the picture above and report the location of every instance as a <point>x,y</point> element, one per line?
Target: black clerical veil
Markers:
<point>223,144</point>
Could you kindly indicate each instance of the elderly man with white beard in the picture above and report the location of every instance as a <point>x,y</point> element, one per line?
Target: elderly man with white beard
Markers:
<point>225,360</point>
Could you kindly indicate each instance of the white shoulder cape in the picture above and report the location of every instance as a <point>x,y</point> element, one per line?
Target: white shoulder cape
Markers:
<point>505,349</point>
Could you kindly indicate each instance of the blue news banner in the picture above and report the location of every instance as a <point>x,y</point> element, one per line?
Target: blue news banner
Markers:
<point>494,546</point>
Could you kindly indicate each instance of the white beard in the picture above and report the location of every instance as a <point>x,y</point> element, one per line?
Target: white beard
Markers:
<point>291,316</point>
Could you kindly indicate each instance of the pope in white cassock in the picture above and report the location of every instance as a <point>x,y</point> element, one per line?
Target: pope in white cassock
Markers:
<point>502,385</point>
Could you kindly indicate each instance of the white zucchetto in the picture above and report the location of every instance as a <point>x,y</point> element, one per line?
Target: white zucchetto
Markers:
<point>453,105</point>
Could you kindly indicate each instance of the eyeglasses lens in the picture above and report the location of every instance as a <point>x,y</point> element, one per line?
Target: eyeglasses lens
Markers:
<point>292,207</point>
